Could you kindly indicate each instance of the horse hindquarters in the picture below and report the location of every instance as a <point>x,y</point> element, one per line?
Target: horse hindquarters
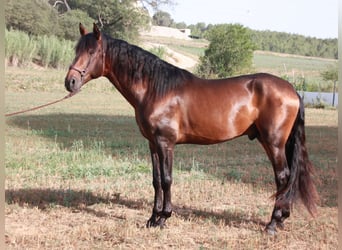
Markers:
<point>292,170</point>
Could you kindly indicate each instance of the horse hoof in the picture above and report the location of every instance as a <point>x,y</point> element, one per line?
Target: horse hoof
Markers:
<point>161,223</point>
<point>280,225</point>
<point>153,223</point>
<point>271,231</point>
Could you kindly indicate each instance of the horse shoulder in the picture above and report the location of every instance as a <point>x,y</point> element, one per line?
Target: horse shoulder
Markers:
<point>160,118</point>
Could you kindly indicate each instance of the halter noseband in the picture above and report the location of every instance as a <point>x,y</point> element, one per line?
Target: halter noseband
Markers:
<point>82,72</point>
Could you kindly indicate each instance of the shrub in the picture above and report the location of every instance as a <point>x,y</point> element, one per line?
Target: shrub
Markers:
<point>158,51</point>
<point>230,51</point>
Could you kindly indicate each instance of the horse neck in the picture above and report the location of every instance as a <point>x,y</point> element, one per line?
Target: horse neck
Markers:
<point>133,91</point>
<point>137,74</point>
<point>121,87</point>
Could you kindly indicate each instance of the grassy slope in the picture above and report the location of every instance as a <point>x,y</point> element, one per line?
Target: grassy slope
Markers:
<point>293,66</point>
<point>78,176</point>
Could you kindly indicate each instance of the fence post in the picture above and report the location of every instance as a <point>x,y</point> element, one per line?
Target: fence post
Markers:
<point>334,91</point>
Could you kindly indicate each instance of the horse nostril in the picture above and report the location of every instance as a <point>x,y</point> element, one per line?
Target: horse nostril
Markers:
<point>72,82</point>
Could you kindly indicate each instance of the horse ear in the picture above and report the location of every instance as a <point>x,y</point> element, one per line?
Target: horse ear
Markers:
<point>83,31</point>
<point>97,32</point>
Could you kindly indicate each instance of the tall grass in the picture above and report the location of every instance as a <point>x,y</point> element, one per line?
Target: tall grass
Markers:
<point>20,48</point>
<point>45,50</point>
<point>49,51</point>
<point>55,52</point>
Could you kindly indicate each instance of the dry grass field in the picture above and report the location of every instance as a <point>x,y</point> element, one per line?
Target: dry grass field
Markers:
<point>78,176</point>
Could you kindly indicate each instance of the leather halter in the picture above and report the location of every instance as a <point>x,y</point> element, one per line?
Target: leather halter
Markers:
<point>84,71</point>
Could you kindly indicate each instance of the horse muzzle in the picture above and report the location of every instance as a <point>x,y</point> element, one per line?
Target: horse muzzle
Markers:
<point>73,84</point>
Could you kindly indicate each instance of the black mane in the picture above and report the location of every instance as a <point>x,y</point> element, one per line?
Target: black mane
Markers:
<point>132,63</point>
<point>85,43</point>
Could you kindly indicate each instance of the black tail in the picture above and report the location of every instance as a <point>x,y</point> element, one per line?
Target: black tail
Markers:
<point>301,169</point>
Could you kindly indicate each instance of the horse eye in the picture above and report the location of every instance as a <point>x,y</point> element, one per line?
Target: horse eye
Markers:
<point>91,51</point>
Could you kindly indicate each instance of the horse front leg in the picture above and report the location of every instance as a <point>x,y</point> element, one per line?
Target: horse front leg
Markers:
<point>158,192</point>
<point>166,181</point>
<point>162,180</point>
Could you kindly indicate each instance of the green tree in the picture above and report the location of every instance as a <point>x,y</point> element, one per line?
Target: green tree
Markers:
<point>230,51</point>
<point>155,4</point>
<point>330,74</point>
<point>162,18</point>
<point>198,29</point>
<point>295,44</point>
<point>69,22</point>
<point>181,25</point>
<point>119,18</point>
<point>34,17</point>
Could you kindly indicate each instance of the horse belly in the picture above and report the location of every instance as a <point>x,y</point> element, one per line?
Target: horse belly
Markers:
<point>217,126</point>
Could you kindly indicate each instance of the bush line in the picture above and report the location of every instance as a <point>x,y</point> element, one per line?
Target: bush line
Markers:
<point>22,49</point>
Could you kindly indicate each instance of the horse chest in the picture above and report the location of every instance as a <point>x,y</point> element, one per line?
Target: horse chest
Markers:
<point>159,120</point>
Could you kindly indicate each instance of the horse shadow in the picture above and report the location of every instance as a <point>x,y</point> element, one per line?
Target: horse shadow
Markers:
<point>82,201</point>
<point>65,129</point>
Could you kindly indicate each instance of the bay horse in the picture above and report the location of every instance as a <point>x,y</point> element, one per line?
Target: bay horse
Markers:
<point>173,106</point>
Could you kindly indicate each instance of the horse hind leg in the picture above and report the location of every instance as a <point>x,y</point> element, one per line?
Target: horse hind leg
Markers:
<point>282,206</point>
<point>277,155</point>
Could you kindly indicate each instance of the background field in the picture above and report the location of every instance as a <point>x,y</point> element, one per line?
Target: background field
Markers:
<point>79,177</point>
<point>295,68</point>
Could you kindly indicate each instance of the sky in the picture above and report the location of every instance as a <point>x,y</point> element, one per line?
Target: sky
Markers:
<point>314,18</point>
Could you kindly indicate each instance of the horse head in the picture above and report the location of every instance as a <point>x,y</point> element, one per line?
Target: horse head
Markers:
<point>89,61</point>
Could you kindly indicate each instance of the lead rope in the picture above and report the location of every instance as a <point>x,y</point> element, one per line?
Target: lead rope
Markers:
<point>42,106</point>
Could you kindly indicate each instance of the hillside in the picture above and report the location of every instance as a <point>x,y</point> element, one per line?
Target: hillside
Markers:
<point>185,53</point>
<point>176,58</point>
<point>168,38</point>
